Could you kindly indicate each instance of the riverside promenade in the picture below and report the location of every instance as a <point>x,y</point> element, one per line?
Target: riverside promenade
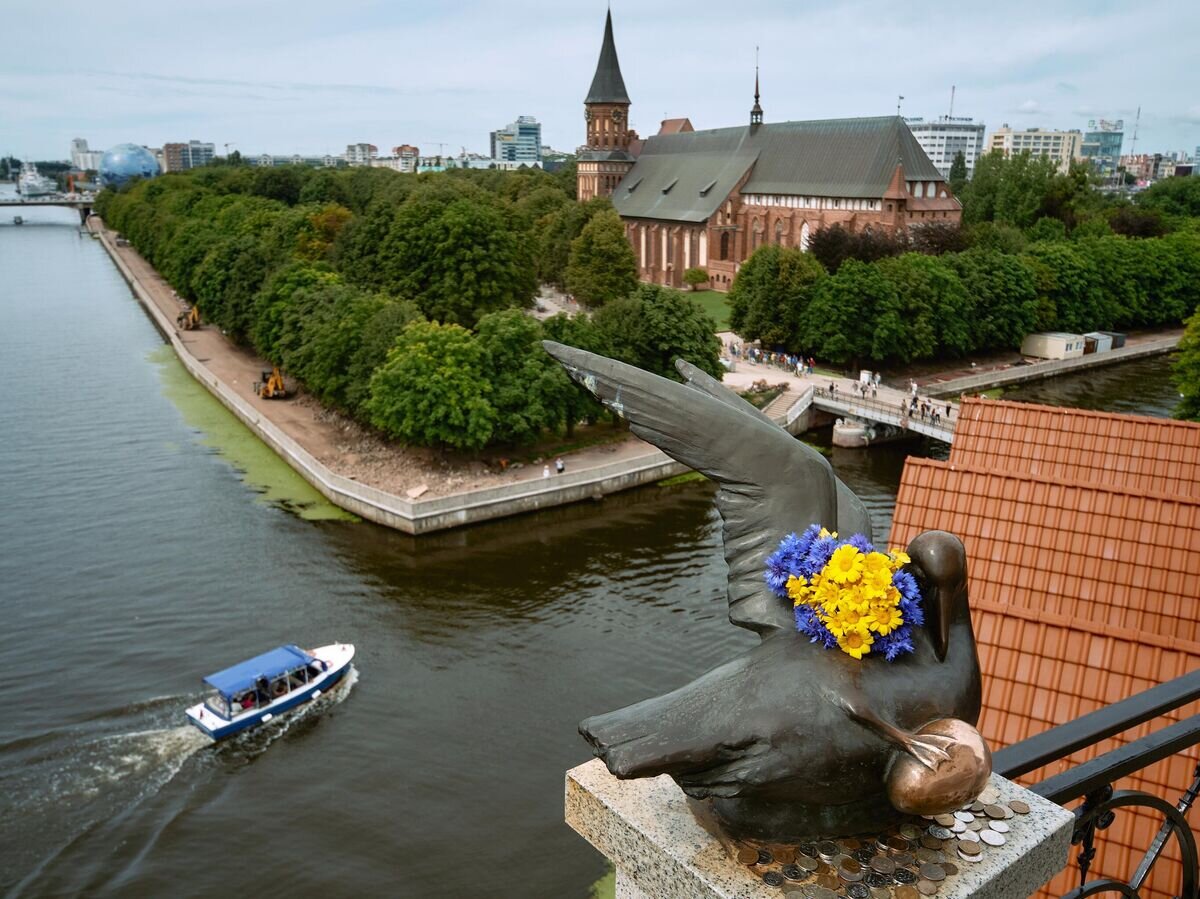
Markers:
<point>305,436</point>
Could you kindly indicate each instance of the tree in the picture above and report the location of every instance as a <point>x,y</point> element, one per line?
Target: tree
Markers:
<point>654,326</point>
<point>694,277</point>
<point>456,261</point>
<point>958,174</point>
<point>934,307</point>
<point>1173,196</point>
<point>1137,221</point>
<point>1009,190</point>
<point>272,301</point>
<point>770,293</point>
<point>1187,371</point>
<point>530,391</point>
<point>432,390</point>
<point>853,316</point>
<point>282,183</point>
<point>1047,229</point>
<point>319,231</point>
<point>554,232</point>
<point>577,331</point>
<point>601,266</point>
<point>834,244</point>
<point>379,335</point>
<point>938,238</point>
<point>1005,295</point>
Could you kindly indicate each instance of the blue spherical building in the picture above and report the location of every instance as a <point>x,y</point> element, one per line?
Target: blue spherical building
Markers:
<point>125,161</point>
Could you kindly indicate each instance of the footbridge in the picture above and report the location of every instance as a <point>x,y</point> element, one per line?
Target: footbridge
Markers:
<point>82,204</point>
<point>889,407</point>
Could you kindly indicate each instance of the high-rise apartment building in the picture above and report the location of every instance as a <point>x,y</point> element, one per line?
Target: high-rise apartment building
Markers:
<point>1061,146</point>
<point>945,137</point>
<point>82,158</point>
<point>361,154</point>
<point>1102,144</point>
<point>179,157</point>
<point>520,142</point>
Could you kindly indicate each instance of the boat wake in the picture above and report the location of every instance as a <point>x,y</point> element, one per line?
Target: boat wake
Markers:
<point>58,788</point>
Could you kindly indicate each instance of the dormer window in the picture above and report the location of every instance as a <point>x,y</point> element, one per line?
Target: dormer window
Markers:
<point>634,186</point>
<point>706,188</point>
<point>667,189</point>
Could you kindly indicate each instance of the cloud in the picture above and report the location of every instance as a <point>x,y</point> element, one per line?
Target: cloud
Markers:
<point>1031,108</point>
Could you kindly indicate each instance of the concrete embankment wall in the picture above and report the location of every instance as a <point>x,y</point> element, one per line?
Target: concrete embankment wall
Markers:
<point>421,516</point>
<point>1049,369</point>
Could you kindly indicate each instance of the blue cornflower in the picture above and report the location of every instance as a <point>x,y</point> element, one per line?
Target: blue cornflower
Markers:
<point>912,612</point>
<point>906,584</point>
<point>818,555</point>
<point>895,644</point>
<point>861,543</point>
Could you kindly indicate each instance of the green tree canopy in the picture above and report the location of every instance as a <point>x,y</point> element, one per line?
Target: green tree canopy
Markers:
<point>456,261</point>
<point>1006,301</point>
<point>770,294</point>
<point>654,326</point>
<point>601,265</point>
<point>433,389</point>
<point>958,174</point>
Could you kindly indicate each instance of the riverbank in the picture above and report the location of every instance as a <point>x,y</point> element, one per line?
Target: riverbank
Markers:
<point>412,490</point>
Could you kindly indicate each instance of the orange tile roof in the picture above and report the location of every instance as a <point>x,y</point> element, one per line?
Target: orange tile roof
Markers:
<point>1081,594</point>
<point>1130,451</point>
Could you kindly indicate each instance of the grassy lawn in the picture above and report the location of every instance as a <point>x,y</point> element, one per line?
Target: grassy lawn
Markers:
<point>714,304</point>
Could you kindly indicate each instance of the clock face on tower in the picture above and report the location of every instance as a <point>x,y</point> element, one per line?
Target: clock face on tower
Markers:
<point>587,114</point>
<point>617,116</point>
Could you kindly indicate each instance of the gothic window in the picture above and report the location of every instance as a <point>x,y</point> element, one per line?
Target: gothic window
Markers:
<point>804,237</point>
<point>757,240</point>
<point>779,234</point>
<point>724,244</point>
<point>693,249</point>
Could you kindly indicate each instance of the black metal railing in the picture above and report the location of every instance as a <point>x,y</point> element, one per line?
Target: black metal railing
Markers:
<point>1093,780</point>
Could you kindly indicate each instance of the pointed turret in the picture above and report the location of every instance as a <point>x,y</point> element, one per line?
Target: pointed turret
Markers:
<point>607,84</point>
<point>756,113</point>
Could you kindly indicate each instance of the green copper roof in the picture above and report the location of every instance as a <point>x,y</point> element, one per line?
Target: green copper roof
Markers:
<point>607,84</point>
<point>827,158</point>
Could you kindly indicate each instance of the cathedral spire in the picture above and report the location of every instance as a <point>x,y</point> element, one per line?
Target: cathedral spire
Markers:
<point>607,85</point>
<point>756,113</point>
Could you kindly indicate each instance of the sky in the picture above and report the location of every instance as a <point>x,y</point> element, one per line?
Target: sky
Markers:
<point>311,76</point>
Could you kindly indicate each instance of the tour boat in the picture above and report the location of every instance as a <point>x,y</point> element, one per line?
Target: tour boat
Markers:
<point>260,689</point>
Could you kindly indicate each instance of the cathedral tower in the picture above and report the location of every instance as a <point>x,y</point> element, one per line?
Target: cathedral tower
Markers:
<point>606,158</point>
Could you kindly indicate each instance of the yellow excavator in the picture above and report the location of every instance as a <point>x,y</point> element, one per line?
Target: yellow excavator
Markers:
<point>189,319</point>
<point>271,387</point>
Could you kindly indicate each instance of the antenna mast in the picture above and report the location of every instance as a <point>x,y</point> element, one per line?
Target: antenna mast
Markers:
<point>951,115</point>
<point>1133,142</point>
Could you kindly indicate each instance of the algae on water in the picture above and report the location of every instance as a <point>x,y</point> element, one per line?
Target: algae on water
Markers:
<point>260,468</point>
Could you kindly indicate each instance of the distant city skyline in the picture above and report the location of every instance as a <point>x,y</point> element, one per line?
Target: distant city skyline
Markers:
<point>309,78</point>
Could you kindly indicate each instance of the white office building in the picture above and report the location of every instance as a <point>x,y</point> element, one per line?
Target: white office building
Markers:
<point>945,137</point>
<point>361,154</point>
<point>82,158</point>
<point>1062,146</point>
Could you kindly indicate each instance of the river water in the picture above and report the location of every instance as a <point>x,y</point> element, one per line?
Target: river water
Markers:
<point>147,540</point>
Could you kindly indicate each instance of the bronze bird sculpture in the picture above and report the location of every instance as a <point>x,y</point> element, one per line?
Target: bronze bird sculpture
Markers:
<point>791,740</point>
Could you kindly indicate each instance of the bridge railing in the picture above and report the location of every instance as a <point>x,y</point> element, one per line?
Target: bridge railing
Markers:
<point>893,413</point>
<point>1092,781</point>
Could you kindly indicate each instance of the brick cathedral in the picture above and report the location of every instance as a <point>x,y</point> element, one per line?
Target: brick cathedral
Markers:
<point>709,199</point>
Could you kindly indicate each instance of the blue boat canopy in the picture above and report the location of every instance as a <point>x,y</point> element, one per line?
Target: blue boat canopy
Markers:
<point>270,665</point>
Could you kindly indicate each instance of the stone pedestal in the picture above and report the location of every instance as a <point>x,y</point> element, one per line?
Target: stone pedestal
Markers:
<point>648,831</point>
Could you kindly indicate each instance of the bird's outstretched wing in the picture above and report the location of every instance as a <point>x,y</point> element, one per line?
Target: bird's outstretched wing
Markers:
<point>852,514</point>
<point>770,483</point>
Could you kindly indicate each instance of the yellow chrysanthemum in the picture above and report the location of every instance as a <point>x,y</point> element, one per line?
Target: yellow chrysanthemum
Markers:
<point>899,557</point>
<point>855,597</point>
<point>884,619</point>
<point>874,562</point>
<point>798,589</point>
<point>845,565</point>
<point>847,619</point>
<point>856,643</point>
<point>877,581</point>
<point>825,532</point>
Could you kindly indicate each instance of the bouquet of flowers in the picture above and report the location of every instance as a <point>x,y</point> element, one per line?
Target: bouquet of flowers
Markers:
<point>846,594</point>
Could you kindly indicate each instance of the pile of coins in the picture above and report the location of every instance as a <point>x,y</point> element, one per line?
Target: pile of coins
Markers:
<point>913,859</point>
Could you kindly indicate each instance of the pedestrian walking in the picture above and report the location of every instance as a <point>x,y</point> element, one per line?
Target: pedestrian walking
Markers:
<point>559,465</point>
<point>949,409</point>
<point>545,471</point>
